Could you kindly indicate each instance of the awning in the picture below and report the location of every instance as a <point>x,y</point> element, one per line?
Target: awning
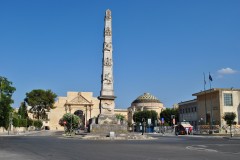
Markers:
<point>187,125</point>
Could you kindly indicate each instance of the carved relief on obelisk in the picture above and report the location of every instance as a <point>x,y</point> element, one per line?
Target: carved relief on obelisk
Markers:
<point>107,97</point>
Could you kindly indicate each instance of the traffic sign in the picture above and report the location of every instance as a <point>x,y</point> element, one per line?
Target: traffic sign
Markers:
<point>162,120</point>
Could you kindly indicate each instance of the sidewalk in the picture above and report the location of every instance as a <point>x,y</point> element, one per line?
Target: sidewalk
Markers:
<point>226,136</point>
<point>5,134</point>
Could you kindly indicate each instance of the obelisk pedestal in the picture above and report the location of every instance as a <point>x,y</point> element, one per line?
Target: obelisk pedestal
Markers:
<point>107,121</point>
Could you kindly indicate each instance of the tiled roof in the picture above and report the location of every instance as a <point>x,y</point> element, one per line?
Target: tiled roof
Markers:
<point>146,98</point>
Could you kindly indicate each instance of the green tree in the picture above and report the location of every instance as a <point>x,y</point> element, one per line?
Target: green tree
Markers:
<point>22,111</point>
<point>41,101</point>
<point>37,124</point>
<point>229,118</point>
<point>120,117</point>
<point>70,122</point>
<point>6,92</point>
<point>141,116</point>
<point>167,113</point>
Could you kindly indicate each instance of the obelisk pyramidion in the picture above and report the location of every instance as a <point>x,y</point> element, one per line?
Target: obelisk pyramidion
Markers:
<point>107,97</point>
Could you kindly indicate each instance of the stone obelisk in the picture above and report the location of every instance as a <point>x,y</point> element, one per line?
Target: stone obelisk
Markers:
<point>107,97</point>
<point>107,121</point>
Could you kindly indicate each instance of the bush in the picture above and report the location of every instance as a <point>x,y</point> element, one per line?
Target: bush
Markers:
<point>38,124</point>
<point>71,122</point>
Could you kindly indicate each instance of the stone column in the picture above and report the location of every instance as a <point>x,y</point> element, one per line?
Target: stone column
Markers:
<point>107,97</point>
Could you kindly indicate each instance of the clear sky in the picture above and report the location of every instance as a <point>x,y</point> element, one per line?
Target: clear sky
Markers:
<point>160,46</point>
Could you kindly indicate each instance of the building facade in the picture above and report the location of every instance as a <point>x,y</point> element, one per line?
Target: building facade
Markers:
<point>144,102</point>
<point>82,104</point>
<point>210,106</point>
<point>214,103</point>
<point>188,112</point>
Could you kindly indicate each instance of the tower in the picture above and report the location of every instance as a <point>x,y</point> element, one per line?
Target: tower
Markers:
<point>107,97</point>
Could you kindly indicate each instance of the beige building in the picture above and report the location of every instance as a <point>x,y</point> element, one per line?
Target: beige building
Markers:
<point>217,102</point>
<point>211,105</point>
<point>82,104</point>
<point>145,102</point>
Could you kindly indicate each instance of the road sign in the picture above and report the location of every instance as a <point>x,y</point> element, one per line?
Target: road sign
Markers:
<point>162,120</point>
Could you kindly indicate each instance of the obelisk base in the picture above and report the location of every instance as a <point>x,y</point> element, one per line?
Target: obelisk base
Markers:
<point>108,123</point>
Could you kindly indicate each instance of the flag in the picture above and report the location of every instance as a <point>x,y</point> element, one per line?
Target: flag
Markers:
<point>210,77</point>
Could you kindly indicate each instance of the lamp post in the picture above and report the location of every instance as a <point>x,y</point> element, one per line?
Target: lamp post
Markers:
<point>19,116</point>
<point>143,123</point>
<point>71,125</point>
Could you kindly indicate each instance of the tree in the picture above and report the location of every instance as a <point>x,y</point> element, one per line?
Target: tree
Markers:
<point>167,113</point>
<point>37,124</point>
<point>120,117</point>
<point>6,92</point>
<point>22,111</point>
<point>41,101</point>
<point>229,118</point>
<point>70,122</point>
<point>141,116</point>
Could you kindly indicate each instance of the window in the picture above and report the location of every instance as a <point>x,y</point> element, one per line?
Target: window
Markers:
<point>228,99</point>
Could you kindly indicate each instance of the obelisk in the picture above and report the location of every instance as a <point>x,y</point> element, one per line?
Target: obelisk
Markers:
<point>107,97</point>
<point>107,122</point>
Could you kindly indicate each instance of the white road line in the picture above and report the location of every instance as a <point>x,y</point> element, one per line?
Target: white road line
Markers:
<point>200,148</point>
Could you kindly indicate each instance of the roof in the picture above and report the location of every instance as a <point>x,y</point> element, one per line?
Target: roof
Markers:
<point>215,90</point>
<point>188,102</point>
<point>146,98</point>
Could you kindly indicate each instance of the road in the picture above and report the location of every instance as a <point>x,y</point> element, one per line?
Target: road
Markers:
<point>51,147</point>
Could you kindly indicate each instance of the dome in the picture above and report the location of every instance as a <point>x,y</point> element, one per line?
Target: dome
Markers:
<point>146,98</point>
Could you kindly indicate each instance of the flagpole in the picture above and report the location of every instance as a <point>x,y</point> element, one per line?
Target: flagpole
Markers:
<point>205,94</point>
<point>211,123</point>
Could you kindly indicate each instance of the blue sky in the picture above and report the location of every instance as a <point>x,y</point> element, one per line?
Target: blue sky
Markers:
<point>160,46</point>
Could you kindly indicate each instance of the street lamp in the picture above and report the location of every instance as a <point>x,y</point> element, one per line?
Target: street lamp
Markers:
<point>143,122</point>
<point>19,116</point>
<point>71,125</point>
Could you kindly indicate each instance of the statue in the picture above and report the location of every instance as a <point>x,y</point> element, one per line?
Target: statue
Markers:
<point>107,46</point>
<point>108,32</point>
<point>108,62</point>
<point>107,78</point>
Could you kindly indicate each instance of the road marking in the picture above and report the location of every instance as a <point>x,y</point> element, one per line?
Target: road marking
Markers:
<point>200,148</point>
<point>207,147</point>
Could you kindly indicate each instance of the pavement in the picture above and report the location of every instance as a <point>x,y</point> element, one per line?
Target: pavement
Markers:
<point>162,148</point>
<point>130,136</point>
<point>31,133</point>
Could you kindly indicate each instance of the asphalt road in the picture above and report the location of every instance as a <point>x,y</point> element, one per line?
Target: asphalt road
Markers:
<point>163,148</point>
